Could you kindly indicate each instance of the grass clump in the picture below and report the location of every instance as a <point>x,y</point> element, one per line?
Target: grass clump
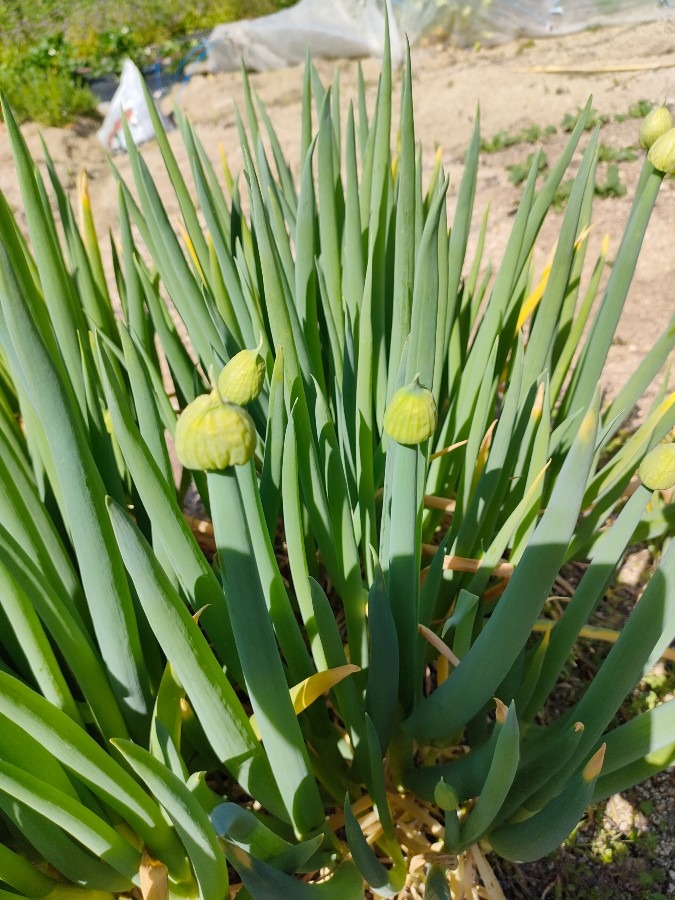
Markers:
<point>528,135</point>
<point>50,47</point>
<point>42,83</point>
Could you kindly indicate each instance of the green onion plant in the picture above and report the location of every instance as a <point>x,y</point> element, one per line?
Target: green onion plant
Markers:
<point>361,671</point>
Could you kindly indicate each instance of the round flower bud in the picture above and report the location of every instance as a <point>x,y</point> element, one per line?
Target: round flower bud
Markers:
<point>662,152</point>
<point>657,469</point>
<point>212,434</point>
<point>411,416</point>
<point>654,124</point>
<point>242,379</point>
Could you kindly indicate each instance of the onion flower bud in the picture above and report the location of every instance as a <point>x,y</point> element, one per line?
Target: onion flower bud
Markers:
<point>411,416</point>
<point>662,153</point>
<point>242,379</point>
<point>657,469</point>
<point>212,434</point>
<point>655,123</point>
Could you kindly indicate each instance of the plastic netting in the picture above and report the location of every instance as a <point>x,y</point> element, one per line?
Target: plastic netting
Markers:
<point>491,21</point>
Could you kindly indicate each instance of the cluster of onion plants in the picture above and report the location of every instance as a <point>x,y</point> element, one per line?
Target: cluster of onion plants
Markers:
<point>398,448</point>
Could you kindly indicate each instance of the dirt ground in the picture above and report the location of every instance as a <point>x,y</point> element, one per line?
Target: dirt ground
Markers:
<point>619,66</point>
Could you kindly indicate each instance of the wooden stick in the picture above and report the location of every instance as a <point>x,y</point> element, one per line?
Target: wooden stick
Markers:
<point>442,503</point>
<point>503,569</point>
<point>594,70</point>
<point>495,592</point>
<point>597,633</point>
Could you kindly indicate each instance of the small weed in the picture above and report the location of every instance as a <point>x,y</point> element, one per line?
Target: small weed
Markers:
<point>525,45</point>
<point>500,141</point>
<point>109,51</point>
<point>616,154</point>
<point>656,685</point>
<point>654,876</point>
<point>571,119</point>
<point>532,133</point>
<point>635,111</point>
<point>528,135</point>
<point>612,186</point>
<point>648,842</point>
<point>51,99</point>
<point>518,172</point>
<point>52,54</point>
<point>640,109</point>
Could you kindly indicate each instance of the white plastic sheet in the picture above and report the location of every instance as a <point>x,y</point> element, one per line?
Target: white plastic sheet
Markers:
<point>344,28</point>
<point>339,28</point>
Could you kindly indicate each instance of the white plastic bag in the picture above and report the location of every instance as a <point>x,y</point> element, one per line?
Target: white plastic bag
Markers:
<point>128,103</point>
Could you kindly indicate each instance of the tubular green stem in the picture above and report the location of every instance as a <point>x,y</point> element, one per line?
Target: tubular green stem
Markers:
<point>101,569</point>
<point>278,604</point>
<point>403,579</point>
<point>488,661</point>
<point>259,655</point>
<point>589,368</point>
<point>586,597</point>
<point>628,658</point>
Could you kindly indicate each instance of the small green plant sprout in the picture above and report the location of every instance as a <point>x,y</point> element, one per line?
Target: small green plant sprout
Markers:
<point>616,154</point>
<point>533,133</point>
<point>612,186</point>
<point>518,172</point>
<point>593,120</point>
<point>528,135</point>
<point>500,141</point>
<point>640,109</point>
<point>361,650</point>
